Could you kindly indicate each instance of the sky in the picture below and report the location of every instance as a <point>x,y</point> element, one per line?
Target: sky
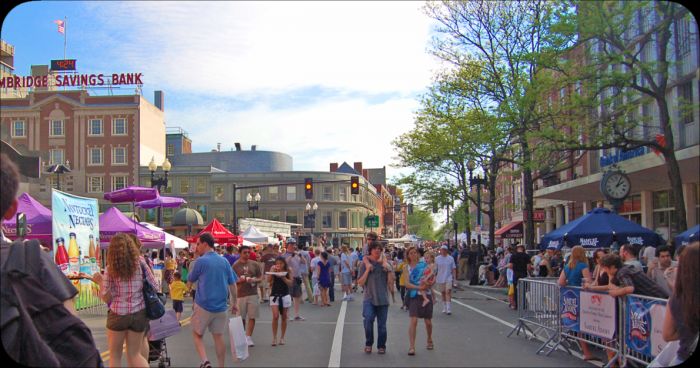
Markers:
<point>321,81</point>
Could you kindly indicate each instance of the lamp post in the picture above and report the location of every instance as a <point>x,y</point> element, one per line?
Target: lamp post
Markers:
<point>253,206</point>
<point>311,217</point>
<point>478,181</point>
<point>159,182</point>
<point>59,169</point>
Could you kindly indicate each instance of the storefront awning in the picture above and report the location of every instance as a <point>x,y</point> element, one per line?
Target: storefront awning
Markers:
<point>512,230</point>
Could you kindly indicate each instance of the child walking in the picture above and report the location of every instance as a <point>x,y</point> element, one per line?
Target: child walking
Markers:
<point>177,292</point>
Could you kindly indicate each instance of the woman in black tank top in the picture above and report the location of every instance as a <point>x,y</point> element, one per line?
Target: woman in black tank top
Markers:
<point>279,297</point>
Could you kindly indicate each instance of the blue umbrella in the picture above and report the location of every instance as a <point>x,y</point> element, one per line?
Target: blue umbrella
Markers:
<point>599,228</point>
<point>687,237</point>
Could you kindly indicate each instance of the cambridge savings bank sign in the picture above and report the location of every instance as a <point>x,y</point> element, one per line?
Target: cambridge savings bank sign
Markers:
<point>70,80</point>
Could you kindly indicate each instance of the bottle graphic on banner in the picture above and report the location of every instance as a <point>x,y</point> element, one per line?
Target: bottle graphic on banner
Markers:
<point>73,255</point>
<point>61,256</point>
<point>91,253</point>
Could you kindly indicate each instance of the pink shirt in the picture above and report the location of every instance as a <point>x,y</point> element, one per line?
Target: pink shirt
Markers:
<point>127,295</point>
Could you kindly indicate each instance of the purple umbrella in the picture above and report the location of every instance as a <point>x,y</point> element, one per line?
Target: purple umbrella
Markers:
<point>167,202</point>
<point>114,221</point>
<point>131,194</point>
<point>38,220</point>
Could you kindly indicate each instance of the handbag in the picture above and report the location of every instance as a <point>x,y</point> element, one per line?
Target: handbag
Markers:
<point>154,306</point>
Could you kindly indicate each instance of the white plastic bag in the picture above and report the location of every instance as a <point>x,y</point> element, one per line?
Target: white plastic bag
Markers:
<point>667,356</point>
<point>236,332</point>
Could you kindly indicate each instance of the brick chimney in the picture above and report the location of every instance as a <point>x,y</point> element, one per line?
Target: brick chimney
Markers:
<point>358,167</point>
<point>334,166</point>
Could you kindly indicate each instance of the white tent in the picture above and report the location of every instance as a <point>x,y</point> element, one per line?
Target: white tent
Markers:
<point>254,235</point>
<point>179,243</point>
<point>408,238</point>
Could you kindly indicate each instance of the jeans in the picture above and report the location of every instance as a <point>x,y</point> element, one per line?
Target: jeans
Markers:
<point>331,290</point>
<point>369,312</point>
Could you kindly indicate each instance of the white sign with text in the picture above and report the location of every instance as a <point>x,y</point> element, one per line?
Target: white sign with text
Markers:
<point>657,312</point>
<point>598,314</point>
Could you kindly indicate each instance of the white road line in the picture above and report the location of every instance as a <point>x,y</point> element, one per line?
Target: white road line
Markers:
<point>338,338</point>
<point>490,297</point>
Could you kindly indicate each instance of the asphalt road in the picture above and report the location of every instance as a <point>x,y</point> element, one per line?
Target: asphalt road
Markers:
<point>474,335</point>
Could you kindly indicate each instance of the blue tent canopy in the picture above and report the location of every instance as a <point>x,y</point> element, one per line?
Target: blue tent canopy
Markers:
<point>599,228</point>
<point>688,236</point>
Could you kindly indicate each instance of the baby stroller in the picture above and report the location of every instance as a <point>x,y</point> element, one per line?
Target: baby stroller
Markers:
<point>162,328</point>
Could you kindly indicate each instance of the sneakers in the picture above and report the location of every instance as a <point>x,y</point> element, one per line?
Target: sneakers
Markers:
<point>249,340</point>
<point>206,364</point>
<point>299,318</point>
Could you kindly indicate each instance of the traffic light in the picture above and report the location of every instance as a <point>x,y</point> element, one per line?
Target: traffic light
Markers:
<point>354,185</point>
<point>309,188</point>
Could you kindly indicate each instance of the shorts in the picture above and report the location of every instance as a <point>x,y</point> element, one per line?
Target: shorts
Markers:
<point>416,308</point>
<point>295,290</point>
<point>201,319</point>
<point>444,286</point>
<point>177,306</point>
<point>136,322</point>
<point>286,301</point>
<point>248,306</point>
<point>346,278</point>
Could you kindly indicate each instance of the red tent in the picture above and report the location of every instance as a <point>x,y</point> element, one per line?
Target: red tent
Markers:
<point>220,233</point>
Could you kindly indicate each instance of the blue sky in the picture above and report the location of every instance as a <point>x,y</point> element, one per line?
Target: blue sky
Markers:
<point>322,81</point>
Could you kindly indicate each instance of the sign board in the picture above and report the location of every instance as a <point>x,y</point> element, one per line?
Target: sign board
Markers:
<point>569,309</point>
<point>372,221</point>
<point>644,321</point>
<point>597,314</point>
<point>63,65</point>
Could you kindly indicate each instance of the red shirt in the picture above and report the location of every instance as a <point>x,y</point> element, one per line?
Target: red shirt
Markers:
<point>253,256</point>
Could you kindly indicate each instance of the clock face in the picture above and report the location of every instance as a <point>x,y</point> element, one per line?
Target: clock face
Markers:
<point>616,185</point>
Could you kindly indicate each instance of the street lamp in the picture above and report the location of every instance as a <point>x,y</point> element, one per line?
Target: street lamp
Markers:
<point>251,206</point>
<point>159,182</point>
<point>59,169</point>
<point>478,181</point>
<point>310,218</point>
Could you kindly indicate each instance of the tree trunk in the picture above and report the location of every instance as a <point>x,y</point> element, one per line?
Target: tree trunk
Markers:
<point>492,205</point>
<point>529,200</point>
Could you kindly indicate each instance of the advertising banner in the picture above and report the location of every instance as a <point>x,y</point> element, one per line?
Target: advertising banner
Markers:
<point>76,234</point>
<point>644,321</point>
<point>598,314</point>
<point>569,307</point>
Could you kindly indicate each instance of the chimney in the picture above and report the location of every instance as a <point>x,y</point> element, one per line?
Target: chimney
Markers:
<point>358,167</point>
<point>253,147</point>
<point>218,147</point>
<point>334,166</point>
<point>159,100</point>
<point>238,146</point>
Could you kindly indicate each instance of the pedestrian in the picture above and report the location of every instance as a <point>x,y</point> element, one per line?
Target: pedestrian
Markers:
<point>295,263</point>
<point>346,272</point>
<point>177,293</point>
<point>403,277</point>
<point>216,283</point>
<point>599,278</point>
<point>662,269</point>
<point>268,260</point>
<point>416,309</point>
<point>682,319</point>
<point>334,260</point>
<point>628,279</point>
<point>463,260</point>
<point>305,272</point>
<point>376,282</point>
<point>170,268</point>
<point>231,254</point>
<point>446,274</point>
<point>519,262</point>
<point>280,300</point>
<point>629,254</point>
<point>249,275</point>
<point>122,289</point>
<point>576,273</point>
<point>314,276</point>
<point>324,278</point>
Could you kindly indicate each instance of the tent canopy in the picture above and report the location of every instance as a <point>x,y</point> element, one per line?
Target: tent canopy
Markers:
<point>131,194</point>
<point>219,232</point>
<point>38,219</point>
<point>599,228</point>
<point>688,236</point>
<point>114,221</point>
<point>179,243</point>
<point>165,202</point>
<point>408,238</point>
<point>254,235</point>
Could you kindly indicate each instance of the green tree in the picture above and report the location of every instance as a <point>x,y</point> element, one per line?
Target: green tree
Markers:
<point>421,223</point>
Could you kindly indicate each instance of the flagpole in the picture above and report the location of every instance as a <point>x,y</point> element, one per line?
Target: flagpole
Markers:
<point>65,35</point>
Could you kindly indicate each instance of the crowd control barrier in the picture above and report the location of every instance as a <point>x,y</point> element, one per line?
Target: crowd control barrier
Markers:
<point>629,326</point>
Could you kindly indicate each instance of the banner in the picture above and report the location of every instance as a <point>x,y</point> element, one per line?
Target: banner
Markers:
<point>644,321</point>
<point>597,314</point>
<point>76,236</point>
<point>569,302</point>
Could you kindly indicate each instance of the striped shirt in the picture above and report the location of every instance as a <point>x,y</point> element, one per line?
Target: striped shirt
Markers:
<point>127,295</point>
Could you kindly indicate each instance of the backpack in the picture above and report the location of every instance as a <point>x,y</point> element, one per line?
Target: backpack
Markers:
<point>37,329</point>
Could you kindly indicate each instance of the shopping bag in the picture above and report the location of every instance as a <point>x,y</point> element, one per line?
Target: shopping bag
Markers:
<point>236,332</point>
<point>511,290</point>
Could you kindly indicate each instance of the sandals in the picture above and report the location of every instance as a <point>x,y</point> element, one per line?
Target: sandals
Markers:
<point>274,342</point>
<point>381,351</point>
<point>411,351</point>
<point>430,346</point>
<point>368,349</point>
<point>282,341</point>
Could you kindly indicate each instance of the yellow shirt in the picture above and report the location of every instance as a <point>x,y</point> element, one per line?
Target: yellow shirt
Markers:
<point>171,265</point>
<point>177,290</point>
<point>404,275</point>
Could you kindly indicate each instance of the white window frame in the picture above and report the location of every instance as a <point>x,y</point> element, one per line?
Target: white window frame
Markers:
<point>114,126</point>
<point>90,184</point>
<point>51,126</point>
<point>274,194</point>
<point>294,189</point>
<point>114,181</point>
<point>347,220</point>
<point>170,149</point>
<point>51,156</point>
<point>327,193</point>
<point>90,133</point>
<point>14,129</point>
<point>90,161</point>
<point>114,155</point>
<point>323,216</point>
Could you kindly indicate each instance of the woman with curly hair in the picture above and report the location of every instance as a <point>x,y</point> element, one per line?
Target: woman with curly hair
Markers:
<point>122,290</point>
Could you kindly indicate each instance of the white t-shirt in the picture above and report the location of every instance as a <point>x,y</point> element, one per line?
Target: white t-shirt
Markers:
<point>649,254</point>
<point>314,263</point>
<point>445,265</point>
<point>345,260</point>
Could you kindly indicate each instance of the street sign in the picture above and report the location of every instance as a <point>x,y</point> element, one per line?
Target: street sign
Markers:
<point>372,221</point>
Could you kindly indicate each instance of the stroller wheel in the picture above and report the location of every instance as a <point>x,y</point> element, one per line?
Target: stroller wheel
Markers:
<point>161,365</point>
<point>168,362</point>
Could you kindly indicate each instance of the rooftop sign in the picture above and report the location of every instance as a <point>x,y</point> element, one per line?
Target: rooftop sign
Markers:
<point>71,80</point>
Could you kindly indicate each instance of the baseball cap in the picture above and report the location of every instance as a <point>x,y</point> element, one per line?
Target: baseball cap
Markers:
<point>291,241</point>
<point>444,247</point>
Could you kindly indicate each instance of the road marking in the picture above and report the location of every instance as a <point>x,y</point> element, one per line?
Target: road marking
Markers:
<point>338,338</point>
<point>490,297</point>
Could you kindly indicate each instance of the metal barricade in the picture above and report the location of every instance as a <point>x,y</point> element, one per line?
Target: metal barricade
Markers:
<point>538,307</point>
<point>627,351</point>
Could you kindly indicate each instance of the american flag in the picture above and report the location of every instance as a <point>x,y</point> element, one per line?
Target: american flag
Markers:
<point>61,26</point>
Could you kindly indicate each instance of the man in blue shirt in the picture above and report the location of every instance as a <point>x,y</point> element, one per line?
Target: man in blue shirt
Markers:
<point>215,281</point>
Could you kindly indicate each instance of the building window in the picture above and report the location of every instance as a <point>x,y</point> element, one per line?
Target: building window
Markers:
<point>95,127</point>
<point>56,128</point>
<point>119,182</point>
<point>292,218</point>
<point>202,209</point>
<point>218,193</point>
<point>55,156</point>
<point>326,216</point>
<point>170,149</point>
<point>685,102</point>
<point>342,193</point>
<point>184,185</point>
<point>201,185</point>
<point>327,193</point>
<point>94,184</point>
<point>343,220</point>
<point>53,181</point>
<point>18,129</point>
<point>683,36</point>
<point>291,193</point>
<point>355,220</point>
<point>274,193</point>
<point>95,156</point>
<point>119,126</point>
<point>118,156</point>
<point>274,215</point>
